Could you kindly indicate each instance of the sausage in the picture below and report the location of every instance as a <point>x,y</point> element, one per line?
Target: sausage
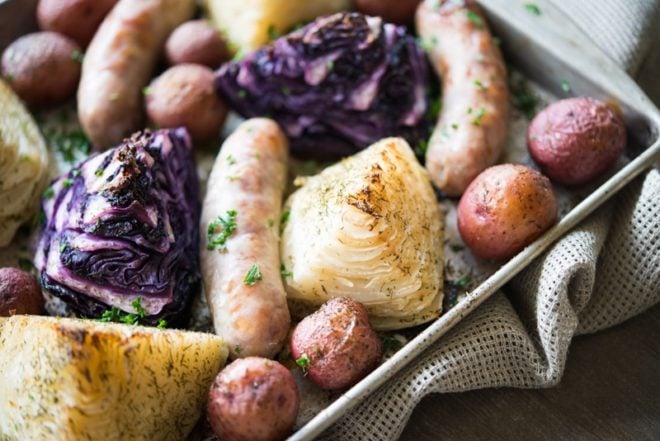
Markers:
<point>472,127</point>
<point>120,61</point>
<point>245,189</point>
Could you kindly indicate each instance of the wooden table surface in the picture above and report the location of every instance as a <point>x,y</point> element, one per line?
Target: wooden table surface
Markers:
<point>610,391</point>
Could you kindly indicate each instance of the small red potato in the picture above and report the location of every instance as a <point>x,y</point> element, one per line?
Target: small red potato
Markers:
<point>43,68</point>
<point>19,293</point>
<point>336,346</point>
<point>505,209</point>
<point>184,96</point>
<point>77,19</point>
<point>197,42</point>
<point>392,11</point>
<point>253,399</point>
<point>576,140</point>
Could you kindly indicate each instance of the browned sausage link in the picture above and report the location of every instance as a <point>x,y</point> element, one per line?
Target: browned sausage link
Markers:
<point>472,126</point>
<point>120,61</point>
<point>243,284</point>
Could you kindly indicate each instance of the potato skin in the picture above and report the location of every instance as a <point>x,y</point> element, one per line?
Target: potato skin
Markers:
<point>77,19</point>
<point>575,140</point>
<point>19,293</point>
<point>197,42</point>
<point>505,209</point>
<point>392,11</point>
<point>42,68</point>
<point>253,398</point>
<point>339,343</point>
<point>184,96</point>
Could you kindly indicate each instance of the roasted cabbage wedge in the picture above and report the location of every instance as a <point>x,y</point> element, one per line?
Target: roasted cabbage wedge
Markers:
<point>369,228</point>
<point>23,164</point>
<point>70,379</point>
<point>249,24</point>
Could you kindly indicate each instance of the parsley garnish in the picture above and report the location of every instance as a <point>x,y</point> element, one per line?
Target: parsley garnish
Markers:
<point>162,324</point>
<point>253,275</point>
<point>219,231</point>
<point>422,147</point>
<point>523,99</point>
<point>231,160</point>
<point>283,220</point>
<point>69,144</point>
<point>66,183</point>
<point>464,281</point>
<point>115,314</point>
<point>532,8</point>
<point>273,32</point>
<point>284,272</point>
<point>479,84</point>
<point>146,90</point>
<point>76,55</point>
<point>304,363</point>
<point>434,108</point>
<point>477,118</point>
<point>48,193</point>
<point>565,86</point>
<point>242,93</point>
<point>271,223</point>
<point>99,172</point>
<point>237,349</point>
<point>330,65</point>
<point>390,343</point>
<point>475,19</point>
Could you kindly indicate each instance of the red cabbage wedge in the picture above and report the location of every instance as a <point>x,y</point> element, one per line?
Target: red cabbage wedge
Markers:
<point>121,231</point>
<point>336,85</point>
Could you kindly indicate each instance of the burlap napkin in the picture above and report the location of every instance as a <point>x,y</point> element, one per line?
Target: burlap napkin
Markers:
<point>602,273</point>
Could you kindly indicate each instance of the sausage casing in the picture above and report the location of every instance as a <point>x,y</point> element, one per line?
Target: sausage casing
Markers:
<point>119,63</point>
<point>245,188</point>
<point>472,127</point>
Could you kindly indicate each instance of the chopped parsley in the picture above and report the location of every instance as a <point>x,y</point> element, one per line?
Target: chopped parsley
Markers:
<point>146,90</point>
<point>231,160</point>
<point>116,315</point>
<point>565,86</point>
<point>242,93</point>
<point>422,147</point>
<point>330,65</point>
<point>66,183</point>
<point>271,223</point>
<point>284,272</point>
<point>390,343</point>
<point>283,220</point>
<point>434,108</point>
<point>479,85</point>
<point>532,8</point>
<point>523,99</point>
<point>25,264</point>
<point>99,172</point>
<point>497,41</point>
<point>48,193</point>
<point>76,55</point>
<point>304,363</point>
<point>253,275</point>
<point>219,231</point>
<point>427,44</point>
<point>273,33</point>
<point>237,349</point>
<point>162,324</point>
<point>475,19</point>
<point>478,116</point>
<point>464,281</point>
<point>70,144</point>
<point>456,247</point>
<point>454,126</point>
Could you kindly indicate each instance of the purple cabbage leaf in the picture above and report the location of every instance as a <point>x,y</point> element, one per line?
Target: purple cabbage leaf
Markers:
<point>337,85</point>
<point>123,227</point>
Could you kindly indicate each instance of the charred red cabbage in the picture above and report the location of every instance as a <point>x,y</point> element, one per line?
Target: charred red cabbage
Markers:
<point>336,85</point>
<point>123,228</point>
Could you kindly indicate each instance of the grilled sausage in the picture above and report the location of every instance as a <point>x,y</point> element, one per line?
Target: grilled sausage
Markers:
<point>240,225</point>
<point>120,61</point>
<point>472,126</point>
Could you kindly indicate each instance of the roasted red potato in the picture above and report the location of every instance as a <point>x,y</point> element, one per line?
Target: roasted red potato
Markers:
<point>197,42</point>
<point>505,209</point>
<point>184,96</point>
<point>336,346</point>
<point>253,399</point>
<point>43,68</point>
<point>77,19</point>
<point>19,293</point>
<point>576,140</point>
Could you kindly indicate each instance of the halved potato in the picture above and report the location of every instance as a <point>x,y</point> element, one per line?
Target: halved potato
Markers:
<point>70,379</point>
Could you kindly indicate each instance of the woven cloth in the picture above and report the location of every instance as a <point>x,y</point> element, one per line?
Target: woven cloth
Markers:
<point>603,272</point>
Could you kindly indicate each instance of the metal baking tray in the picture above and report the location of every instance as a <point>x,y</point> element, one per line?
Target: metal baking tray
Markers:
<point>551,56</point>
